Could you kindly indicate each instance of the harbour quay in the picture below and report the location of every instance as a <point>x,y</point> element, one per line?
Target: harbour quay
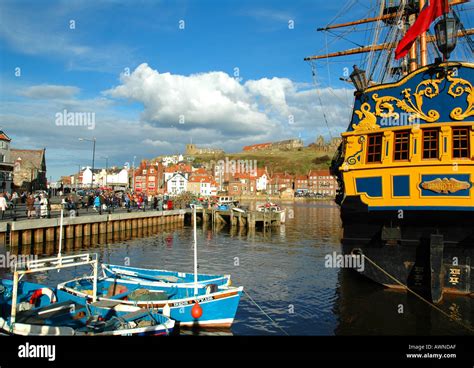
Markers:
<point>82,229</point>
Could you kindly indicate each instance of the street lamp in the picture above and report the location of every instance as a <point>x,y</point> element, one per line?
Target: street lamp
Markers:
<point>106,168</point>
<point>133,174</point>
<point>359,79</point>
<point>93,156</point>
<point>446,31</point>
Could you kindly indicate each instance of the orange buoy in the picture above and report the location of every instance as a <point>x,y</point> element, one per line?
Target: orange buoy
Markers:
<point>196,311</point>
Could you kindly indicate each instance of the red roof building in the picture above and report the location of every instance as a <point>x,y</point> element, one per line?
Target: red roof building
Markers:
<point>322,182</point>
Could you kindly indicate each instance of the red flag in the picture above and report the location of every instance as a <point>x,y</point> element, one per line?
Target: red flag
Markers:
<point>422,23</point>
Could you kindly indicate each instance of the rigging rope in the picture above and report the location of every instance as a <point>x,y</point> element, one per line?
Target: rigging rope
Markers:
<point>313,71</point>
<point>270,318</point>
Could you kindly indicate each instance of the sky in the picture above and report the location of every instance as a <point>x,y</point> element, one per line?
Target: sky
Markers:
<point>151,76</point>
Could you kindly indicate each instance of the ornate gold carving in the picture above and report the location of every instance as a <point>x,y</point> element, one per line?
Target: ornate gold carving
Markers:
<point>412,104</point>
<point>457,88</point>
<point>445,185</point>
<point>368,121</point>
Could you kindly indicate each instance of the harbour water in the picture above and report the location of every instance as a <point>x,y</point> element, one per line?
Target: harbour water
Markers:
<point>283,271</point>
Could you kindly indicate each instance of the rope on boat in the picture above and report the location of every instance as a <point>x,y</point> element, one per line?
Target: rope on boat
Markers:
<point>418,295</point>
<point>270,318</point>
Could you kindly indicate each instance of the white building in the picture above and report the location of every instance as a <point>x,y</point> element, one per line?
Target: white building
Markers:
<point>171,160</point>
<point>262,179</point>
<point>176,184</point>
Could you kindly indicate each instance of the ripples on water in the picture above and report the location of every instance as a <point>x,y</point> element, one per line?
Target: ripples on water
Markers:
<point>283,271</point>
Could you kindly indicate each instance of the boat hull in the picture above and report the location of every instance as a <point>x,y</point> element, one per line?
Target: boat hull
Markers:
<point>428,251</point>
<point>218,308</point>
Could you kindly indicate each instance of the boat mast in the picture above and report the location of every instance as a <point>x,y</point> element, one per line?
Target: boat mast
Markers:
<point>423,44</point>
<point>423,39</point>
<point>382,46</point>
<point>195,251</point>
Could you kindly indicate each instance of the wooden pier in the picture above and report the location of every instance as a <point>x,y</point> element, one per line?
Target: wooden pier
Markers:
<point>248,219</point>
<point>82,229</point>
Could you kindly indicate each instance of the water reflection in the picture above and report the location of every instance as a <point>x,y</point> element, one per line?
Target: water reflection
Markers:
<point>283,270</point>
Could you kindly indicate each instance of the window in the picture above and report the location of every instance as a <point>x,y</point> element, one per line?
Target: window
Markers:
<point>460,142</point>
<point>430,143</point>
<point>401,146</point>
<point>374,148</point>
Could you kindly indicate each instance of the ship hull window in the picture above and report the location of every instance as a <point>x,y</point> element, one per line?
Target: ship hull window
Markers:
<point>430,144</point>
<point>401,146</point>
<point>374,148</point>
<point>461,143</point>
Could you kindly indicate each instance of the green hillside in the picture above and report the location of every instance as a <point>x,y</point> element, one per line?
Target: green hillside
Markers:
<point>297,162</point>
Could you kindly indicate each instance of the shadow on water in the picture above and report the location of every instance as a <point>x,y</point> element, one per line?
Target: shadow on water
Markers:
<point>365,308</point>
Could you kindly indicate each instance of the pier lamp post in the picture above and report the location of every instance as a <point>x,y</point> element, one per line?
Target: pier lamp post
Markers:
<point>106,169</point>
<point>359,79</point>
<point>446,31</point>
<point>133,174</point>
<point>93,156</point>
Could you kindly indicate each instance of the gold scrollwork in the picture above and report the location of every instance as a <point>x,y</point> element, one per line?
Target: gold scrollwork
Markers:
<point>412,104</point>
<point>457,88</point>
<point>368,120</point>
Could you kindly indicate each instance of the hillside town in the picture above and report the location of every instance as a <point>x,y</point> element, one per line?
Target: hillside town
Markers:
<point>23,170</point>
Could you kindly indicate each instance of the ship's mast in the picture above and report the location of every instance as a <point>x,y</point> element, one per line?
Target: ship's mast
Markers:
<point>423,44</point>
<point>382,46</point>
<point>419,49</point>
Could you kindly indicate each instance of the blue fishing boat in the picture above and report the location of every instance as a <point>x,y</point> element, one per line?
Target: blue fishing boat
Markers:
<point>31,309</point>
<point>205,306</point>
<point>163,277</point>
<point>191,304</point>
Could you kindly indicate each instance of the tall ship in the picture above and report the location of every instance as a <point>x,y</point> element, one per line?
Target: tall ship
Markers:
<point>405,166</point>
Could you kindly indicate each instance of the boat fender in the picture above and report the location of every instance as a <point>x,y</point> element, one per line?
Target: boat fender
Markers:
<point>167,310</point>
<point>43,291</point>
<point>196,311</point>
<point>211,288</point>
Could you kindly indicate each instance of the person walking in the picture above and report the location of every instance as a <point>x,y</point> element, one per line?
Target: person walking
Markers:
<point>37,206</point>
<point>30,206</point>
<point>15,198</point>
<point>97,204</point>
<point>43,206</point>
<point>3,205</point>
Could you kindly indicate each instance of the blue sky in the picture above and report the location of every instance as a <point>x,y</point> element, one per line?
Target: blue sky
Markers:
<point>233,72</point>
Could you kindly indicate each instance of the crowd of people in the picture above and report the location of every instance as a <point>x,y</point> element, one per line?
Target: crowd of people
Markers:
<point>37,204</point>
<point>109,201</point>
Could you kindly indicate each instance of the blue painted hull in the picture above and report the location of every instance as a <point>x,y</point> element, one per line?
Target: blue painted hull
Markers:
<point>218,307</point>
<point>163,277</point>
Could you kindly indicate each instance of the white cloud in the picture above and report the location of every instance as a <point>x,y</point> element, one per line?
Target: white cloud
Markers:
<point>49,91</point>
<point>212,100</point>
<point>216,102</point>
<point>218,110</point>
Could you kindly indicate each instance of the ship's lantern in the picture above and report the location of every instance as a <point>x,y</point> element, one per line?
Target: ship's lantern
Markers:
<point>446,35</point>
<point>359,79</point>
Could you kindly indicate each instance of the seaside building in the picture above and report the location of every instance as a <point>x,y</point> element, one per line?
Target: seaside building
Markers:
<point>29,169</point>
<point>6,164</point>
